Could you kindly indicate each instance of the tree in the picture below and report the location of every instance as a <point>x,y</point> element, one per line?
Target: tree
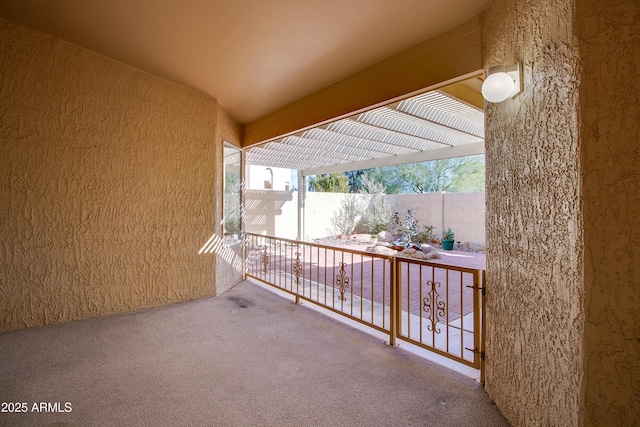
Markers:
<point>355,179</point>
<point>389,178</point>
<point>336,182</point>
<point>455,174</point>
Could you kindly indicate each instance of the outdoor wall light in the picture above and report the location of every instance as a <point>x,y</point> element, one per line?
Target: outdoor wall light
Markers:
<point>503,82</point>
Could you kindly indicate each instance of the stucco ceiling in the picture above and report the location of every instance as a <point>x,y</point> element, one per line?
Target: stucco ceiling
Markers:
<point>253,56</point>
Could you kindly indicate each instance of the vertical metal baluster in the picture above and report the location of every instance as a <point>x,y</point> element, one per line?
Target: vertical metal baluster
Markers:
<point>279,266</point>
<point>361,284</point>
<point>342,294</point>
<point>479,333</point>
<point>297,291</point>
<point>305,279</point>
<point>420,293</point>
<point>333,288</point>
<point>353,260</point>
<point>273,266</point>
<point>318,277</point>
<point>325,276</point>
<point>398,299</point>
<point>392,303</point>
<point>433,326</point>
<point>373,303</point>
<point>409,299</point>
<point>385,282</point>
<point>462,338</point>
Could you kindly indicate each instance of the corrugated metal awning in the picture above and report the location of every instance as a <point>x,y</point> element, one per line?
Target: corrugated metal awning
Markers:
<point>430,126</point>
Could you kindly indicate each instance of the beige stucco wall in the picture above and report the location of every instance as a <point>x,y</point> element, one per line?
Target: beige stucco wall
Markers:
<point>609,34</point>
<point>535,313</point>
<point>562,214</point>
<point>108,184</point>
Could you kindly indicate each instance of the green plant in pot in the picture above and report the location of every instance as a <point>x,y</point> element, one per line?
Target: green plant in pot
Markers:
<point>448,239</point>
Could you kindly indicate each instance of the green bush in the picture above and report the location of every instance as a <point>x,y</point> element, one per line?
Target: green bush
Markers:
<point>426,235</point>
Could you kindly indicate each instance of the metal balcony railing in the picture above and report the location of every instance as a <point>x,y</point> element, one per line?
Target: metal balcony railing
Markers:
<point>434,306</point>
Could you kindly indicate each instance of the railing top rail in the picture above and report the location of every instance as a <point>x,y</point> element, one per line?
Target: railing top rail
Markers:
<point>372,254</point>
<point>438,265</point>
<point>318,245</point>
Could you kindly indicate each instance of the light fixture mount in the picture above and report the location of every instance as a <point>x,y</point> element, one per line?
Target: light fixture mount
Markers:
<point>502,82</point>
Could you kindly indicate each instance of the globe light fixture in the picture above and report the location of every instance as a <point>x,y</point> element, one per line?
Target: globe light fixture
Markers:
<point>502,82</point>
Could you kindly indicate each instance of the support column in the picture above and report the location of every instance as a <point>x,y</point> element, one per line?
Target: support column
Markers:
<point>534,315</point>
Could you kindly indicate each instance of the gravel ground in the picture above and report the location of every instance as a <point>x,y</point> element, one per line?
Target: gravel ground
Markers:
<point>334,241</point>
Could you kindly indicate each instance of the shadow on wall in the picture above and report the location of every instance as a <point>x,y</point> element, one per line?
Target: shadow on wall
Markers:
<point>263,207</point>
<point>216,245</point>
<point>228,261</point>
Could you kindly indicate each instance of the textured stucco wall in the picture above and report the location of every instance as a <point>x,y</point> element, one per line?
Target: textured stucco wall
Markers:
<point>108,184</point>
<point>609,35</point>
<point>535,315</point>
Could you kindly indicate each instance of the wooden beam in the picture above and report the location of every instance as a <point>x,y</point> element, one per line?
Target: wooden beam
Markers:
<point>447,58</point>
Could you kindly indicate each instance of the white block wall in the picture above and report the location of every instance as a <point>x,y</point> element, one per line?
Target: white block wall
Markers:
<point>275,212</point>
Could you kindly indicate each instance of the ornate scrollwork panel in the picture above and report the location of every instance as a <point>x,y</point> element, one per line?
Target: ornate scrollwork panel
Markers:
<point>432,305</point>
<point>343,281</point>
<point>265,259</point>
<point>297,268</point>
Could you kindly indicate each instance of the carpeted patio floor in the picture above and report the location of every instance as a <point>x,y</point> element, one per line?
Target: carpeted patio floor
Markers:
<point>246,358</point>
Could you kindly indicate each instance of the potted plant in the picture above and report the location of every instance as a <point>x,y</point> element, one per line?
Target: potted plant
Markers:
<point>448,239</point>
<point>374,239</point>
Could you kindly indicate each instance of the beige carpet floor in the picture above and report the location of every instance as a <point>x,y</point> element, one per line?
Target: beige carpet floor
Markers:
<point>246,358</point>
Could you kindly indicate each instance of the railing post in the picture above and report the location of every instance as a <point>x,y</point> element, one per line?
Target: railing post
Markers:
<point>393,305</point>
<point>483,293</point>
<point>398,285</point>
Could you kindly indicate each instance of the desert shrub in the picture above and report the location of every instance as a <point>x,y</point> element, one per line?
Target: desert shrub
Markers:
<point>367,209</point>
<point>348,216</point>
<point>405,228</point>
<point>426,235</point>
<point>377,211</point>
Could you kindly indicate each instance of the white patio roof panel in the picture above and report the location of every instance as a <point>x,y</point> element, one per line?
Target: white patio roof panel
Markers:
<point>438,108</point>
<point>270,161</point>
<point>390,138</point>
<point>304,146</point>
<point>284,159</point>
<point>342,138</point>
<point>308,157</point>
<point>428,126</point>
<point>398,121</point>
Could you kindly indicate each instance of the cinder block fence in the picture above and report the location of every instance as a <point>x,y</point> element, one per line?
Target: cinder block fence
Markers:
<point>275,213</point>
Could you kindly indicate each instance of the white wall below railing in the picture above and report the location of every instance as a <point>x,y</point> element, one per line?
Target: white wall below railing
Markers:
<point>275,212</point>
